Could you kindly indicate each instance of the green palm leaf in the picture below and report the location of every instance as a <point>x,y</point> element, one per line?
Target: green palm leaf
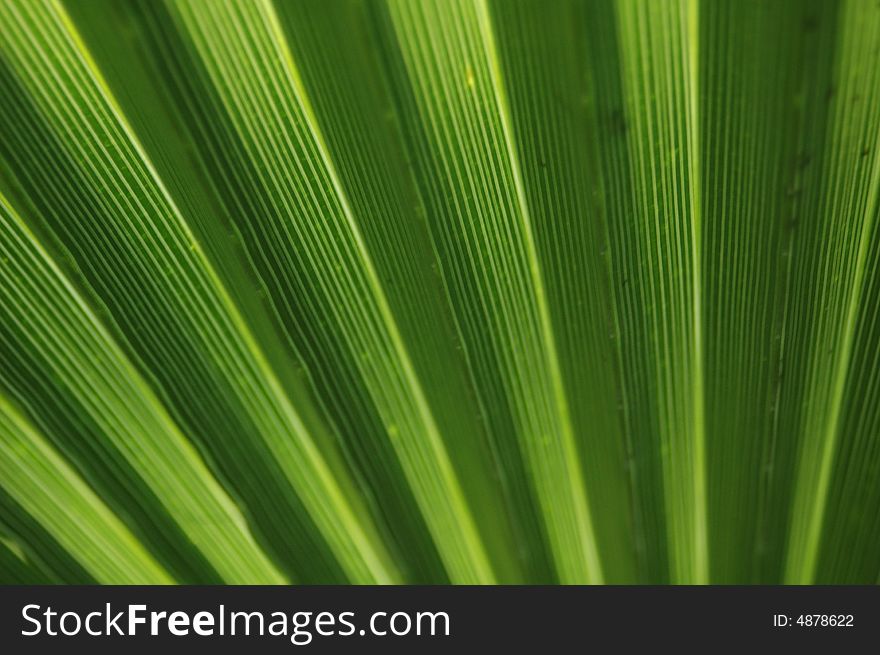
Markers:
<point>471,291</point>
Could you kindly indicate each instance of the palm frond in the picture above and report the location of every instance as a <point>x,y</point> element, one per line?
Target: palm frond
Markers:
<point>470,291</point>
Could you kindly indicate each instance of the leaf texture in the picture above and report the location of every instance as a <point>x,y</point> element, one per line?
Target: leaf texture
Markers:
<point>471,291</point>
